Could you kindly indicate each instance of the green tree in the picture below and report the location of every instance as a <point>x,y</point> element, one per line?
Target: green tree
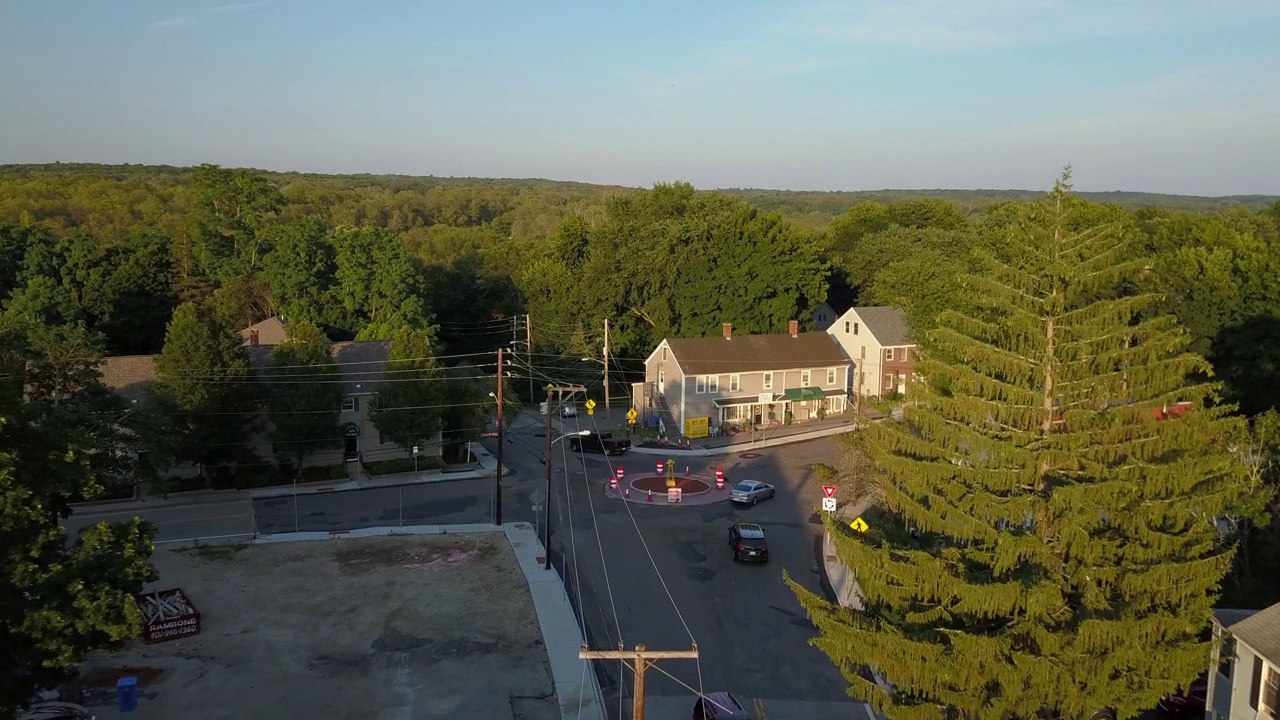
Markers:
<point>207,388</point>
<point>306,394</point>
<point>301,270</point>
<point>1046,544</point>
<point>410,406</point>
<point>379,283</point>
<point>231,210</point>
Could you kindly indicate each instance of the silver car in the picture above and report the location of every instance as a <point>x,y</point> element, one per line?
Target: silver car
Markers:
<point>752,492</point>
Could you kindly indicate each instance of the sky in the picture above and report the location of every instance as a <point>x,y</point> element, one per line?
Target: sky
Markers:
<point>1167,96</point>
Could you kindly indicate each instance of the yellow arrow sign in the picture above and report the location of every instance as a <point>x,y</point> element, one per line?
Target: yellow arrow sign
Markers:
<point>591,405</point>
<point>859,524</point>
<point>631,414</point>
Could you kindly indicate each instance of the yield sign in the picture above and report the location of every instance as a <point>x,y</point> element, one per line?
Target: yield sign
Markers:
<point>830,490</point>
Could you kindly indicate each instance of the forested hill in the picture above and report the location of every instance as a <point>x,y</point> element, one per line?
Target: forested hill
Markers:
<point>813,209</point>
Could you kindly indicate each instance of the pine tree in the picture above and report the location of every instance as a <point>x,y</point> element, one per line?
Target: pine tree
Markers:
<point>1046,544</point>
<point>306,394</point>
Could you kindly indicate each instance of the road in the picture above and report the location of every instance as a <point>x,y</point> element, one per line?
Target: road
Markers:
<point>660,576</point>
<point>752,635</point>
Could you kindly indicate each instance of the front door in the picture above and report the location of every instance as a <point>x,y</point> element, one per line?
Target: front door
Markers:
<point>352,449</point>
<point>662,383</point>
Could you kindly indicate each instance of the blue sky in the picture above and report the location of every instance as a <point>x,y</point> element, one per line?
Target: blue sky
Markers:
<point>1150,95</point>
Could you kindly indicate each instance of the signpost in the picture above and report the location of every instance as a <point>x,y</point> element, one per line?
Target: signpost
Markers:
<point>591,407</point>
<point>859,524</point>
<point>631,416</point>
<point>673,494</point>
<point>829,502</point>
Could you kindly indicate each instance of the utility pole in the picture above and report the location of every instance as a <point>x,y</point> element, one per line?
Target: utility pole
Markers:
<point>528,349</point>
<point>497,478</point>
<point>551,409</point>
<point>641,659</point>
<point>606,364</point>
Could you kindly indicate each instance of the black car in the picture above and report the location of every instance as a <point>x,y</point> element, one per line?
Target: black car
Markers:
<point>599,442</point>
<point>748,542</point>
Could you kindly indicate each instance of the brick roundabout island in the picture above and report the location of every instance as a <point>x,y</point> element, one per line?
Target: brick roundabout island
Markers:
<point>694,490</point>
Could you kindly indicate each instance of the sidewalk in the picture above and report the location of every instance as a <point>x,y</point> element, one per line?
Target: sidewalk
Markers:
<point>742,442</point>
<point>577,691</point>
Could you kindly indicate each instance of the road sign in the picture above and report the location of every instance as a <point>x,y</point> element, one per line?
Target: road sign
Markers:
<point>674,494</point>
<point>591,404</point>
<point>632,414</point>
<point>830,490</point>
<point>859,524</point>
<point>829,504</point>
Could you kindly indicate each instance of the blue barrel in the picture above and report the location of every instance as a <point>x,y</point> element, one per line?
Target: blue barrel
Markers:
<point>127,692</point>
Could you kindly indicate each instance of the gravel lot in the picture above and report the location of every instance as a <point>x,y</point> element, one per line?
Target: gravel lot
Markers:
<point>428,626</point>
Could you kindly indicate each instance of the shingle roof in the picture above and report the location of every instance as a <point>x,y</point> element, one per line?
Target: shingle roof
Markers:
<point>754,353</point>
<point>128,375</point>
<point>887,324</point>
<point>1261,631</point>
<point>270,332</point>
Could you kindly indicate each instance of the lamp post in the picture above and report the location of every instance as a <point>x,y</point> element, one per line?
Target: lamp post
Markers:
<point>415,459</point>
<point>546,526</point>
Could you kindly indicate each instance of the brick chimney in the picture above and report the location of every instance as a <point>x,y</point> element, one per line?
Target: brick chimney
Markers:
<point>795,328</point>
<point>253,337</point>
<point>728,331</point>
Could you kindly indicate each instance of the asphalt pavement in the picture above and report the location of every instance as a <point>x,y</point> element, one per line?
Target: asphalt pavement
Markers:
<point>668,574</point>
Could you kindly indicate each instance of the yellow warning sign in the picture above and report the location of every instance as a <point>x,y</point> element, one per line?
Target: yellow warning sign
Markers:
<point>591,404</point>
<point>859,524</point>
<point>632,415</point>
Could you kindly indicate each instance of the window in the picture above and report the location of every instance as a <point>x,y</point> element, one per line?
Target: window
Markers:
<point>805,377</point>
<point>735,383</point>
<point>888,354</point>
<point>831,376</point>
<point>1255,686</point>
<point>822,317</point>
<point>350,404</point>
<point>1226,655</point>
<point>700,384</point>
<point>863,356</point>
<point>713,384</point>
<point>888,386</point>
<point>664,353</point>
<point>855,328</point>
<point>1271,691</point>
<point>846,327</point>
<point>768,381</point>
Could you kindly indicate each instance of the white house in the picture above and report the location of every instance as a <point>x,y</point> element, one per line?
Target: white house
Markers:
<point>1244,671</point>
<point>877,339</point>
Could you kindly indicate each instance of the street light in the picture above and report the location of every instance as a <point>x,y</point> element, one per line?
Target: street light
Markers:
<point>546,526</point>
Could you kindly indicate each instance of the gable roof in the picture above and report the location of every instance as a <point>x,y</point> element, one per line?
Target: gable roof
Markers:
<point>128,375</point>
<point>1261,631</point>
<point>887,324</point>
<point>756,353</point>
<point>271,331</point>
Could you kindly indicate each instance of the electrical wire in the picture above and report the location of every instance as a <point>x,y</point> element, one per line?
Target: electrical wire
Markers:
<point>573,546</point>
<point>661,579</point>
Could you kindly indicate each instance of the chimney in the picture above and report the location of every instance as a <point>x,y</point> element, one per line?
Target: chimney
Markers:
<point>253,337</point>
<point>795,328</point>
<point>728,331</point>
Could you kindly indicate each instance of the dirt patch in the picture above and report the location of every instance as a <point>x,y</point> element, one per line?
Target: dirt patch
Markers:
<point>437,626</point>
<point>659,484</point>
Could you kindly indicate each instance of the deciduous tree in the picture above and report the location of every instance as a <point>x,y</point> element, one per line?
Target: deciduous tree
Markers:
<point>410,406</point>
<point>306,394</point>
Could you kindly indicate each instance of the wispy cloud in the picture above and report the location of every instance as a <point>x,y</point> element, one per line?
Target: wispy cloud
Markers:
<point>237,7</point>
<point>951,26</point>
<point>174,23</point>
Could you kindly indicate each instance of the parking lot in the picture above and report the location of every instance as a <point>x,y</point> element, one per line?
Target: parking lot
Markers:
<point>402,627</point>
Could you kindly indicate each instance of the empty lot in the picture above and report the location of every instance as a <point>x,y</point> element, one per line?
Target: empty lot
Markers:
<point>427,626</point>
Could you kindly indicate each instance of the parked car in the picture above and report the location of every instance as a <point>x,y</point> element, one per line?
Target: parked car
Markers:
<point>751,492</point>
<point>748,542</point>
<point>599,442</point>
<point>568,411</point>
<point>1185,705</point>
<point>719,706</point>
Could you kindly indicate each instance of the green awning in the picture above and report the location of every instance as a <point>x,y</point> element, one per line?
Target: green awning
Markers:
<point>802,394</point>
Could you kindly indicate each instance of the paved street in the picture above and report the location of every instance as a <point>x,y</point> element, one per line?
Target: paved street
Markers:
<point>751,632</point>
<point>752,635</point>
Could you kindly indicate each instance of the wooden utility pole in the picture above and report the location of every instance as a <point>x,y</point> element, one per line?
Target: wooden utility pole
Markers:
<point>560,390</point>
<point>640,659</point>
<point>497,481</point>
<point>606,364</point>
<point>528,349</point>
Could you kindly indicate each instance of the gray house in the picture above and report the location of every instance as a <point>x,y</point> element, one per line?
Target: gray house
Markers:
<point>1244,679</point>
<point>697,383</point>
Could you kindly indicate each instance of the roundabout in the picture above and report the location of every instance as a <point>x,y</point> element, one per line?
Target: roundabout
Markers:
<point>653,490</point>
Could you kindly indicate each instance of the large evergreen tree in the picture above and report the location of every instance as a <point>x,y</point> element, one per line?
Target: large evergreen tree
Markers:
<point>1047,544</point>
<point>306,394</point>
<point>207,387</point>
